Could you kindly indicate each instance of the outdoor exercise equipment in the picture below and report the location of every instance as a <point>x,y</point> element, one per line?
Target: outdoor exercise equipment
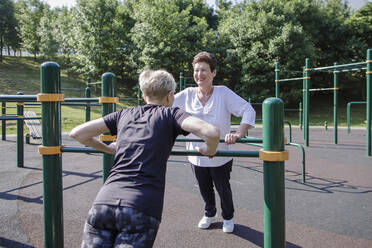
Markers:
<point>348,113</point>
<point>272,154</point>
<point>335,69</point>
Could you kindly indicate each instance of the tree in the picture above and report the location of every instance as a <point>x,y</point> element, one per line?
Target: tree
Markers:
<point>47,31</point>
<point>7,23</point>
<point>30,13</point>
<point>64,32</point>
<point>167,34</point>
<point>262,33</point>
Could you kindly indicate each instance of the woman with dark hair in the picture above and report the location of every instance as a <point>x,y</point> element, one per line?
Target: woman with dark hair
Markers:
<point>215,105</point>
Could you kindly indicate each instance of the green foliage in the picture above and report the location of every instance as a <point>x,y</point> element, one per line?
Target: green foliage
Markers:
<point>8,24</point>
<point>29,14</point>
<point>167,34</point>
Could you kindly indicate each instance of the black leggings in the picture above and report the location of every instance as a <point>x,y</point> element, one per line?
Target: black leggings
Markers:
<point>219,177</point>
<point>116,226</point>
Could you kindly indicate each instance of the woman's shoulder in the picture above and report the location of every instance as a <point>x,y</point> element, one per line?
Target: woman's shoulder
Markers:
<point>221,88</point>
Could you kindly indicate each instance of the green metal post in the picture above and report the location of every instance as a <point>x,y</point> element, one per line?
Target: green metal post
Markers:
<point>300,114</point>
<point>276,79</point>
<point>20,142</point>
<point>3,122</point>
<point>368,100</point>
<point>306,101</point>
<point>138,95</point>
<point>108,79</point>
<point>181,80</point>
<point>52,164</point>
<point>274,198</point>
<point>335,109</point>
<point>87,108</point>
<point>348,114</point>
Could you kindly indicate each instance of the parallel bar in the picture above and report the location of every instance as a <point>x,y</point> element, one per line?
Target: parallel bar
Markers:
<point>290,79</point>
<point>337,66</point>
<point>20,131</point>
<point>81,99</point>
<point>17,98</point>
<point>175,153</point>
<point>240,140</point>
<point>13,118</point>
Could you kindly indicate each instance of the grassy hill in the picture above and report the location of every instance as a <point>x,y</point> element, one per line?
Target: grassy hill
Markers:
<point>23,75</point>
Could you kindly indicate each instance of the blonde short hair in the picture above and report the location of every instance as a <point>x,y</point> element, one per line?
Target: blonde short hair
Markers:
<point>156,84</point>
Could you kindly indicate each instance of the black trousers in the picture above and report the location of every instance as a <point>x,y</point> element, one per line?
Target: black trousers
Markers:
<point>219,177</point>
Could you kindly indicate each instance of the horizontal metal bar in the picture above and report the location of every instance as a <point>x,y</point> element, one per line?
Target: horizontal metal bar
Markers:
<point>175,153</point>
<point>17,98</point>
<point>12,118</point>
<point>81,99</point>
<point>323,89</point>
<point>80,104</point>
<point>337,66</point>
<point>290,79</point>
<point>240,140</point>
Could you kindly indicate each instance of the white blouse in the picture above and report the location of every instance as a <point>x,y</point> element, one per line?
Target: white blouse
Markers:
<point>217,111</point>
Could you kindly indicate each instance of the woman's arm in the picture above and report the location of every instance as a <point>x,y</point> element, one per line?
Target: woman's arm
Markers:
<point>209,133</point>
<point>86,133</point>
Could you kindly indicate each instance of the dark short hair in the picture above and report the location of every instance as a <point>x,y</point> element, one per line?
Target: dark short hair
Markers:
<point>206,57</point>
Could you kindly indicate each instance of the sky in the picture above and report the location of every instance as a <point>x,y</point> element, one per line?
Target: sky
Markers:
<point>58,3</point>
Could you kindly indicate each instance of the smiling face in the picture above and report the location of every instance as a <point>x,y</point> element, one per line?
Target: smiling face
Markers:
<point>203,75</point>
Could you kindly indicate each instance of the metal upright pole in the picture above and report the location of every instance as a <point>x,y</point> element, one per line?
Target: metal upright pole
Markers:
<point>306,101</point>
<point>300,114</point>
<point>87,108</point>
<point>368,100</point>
<point>107,101</point>
<point>273,155</point>
<point>335,110</point>
<point>3,122</point>
<point>181,80</point>
<point>50,99</point>
<point>277,79</point>
<point>20,130</point>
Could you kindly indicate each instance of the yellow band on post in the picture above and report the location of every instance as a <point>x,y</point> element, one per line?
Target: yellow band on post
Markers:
<point>277,69</point>
<point>276,81</point>
<point>273,156</point>
<point>107,99</point>
<point>20,103</point>
<point>369,72</point>
<point>49,150</point>
<point>285,140</point>
<point>107,137</point>
<point>44,97</point>
<point>369,61</point>
<point>306,77</point>
<point>307,69</point>
<point>20,116</point>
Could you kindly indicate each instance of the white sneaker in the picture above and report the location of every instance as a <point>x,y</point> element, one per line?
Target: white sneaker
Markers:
<point>205,222</point>
<point>228,226</point>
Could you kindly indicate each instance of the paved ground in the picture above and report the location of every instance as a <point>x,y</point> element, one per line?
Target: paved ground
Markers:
<point>333,208</point>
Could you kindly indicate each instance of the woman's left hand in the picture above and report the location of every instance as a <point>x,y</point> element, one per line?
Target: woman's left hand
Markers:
<point>231,138</point>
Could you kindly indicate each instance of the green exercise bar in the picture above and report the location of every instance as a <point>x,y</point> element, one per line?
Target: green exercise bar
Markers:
<point>52,164</point>
<point>335,109</point>
<point>18,98</point>
<point>20,130</point>
<point>3,122</point>
<point>240,140</point>
<point>274,199</point>
<point>108,79</point>
<point>175,153</point>
<point>87,107</point>
<point>348,113</point>
<point>369,101</point>
<point>338,66</point>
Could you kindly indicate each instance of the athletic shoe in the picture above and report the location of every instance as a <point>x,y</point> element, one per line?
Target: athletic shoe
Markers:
<point>228,226</point>
<point>205,222</point>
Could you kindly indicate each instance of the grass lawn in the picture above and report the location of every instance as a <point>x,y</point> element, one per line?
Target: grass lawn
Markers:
<point>23,75</point>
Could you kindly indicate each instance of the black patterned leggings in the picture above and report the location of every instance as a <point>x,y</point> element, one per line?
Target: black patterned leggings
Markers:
<point>116,226</point>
